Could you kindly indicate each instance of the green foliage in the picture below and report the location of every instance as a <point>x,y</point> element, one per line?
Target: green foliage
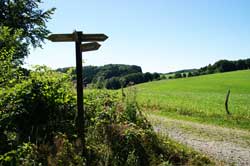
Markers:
<point>148,77</point>
<point>119,130</point>
<point>113,76</point>
<point>190,74</point>
<point>178,75</point>
<point>156,76</point>
<point>131,106</point>
<point>118,133</point>
<point>113,70</point>
<point>100,83</point>
<point>8,74</point>
<point>9,71</point>
<point>92,74</point>
<point>224,66</point>
<point>178,154</point>
<point>113,83</point>
<point>26,18</point>
<point>218,67</point>
<point>11,42</point>
<point>25,155</point>
<point>65,153</point>
<point>134,78</point>
<point>38,106</point>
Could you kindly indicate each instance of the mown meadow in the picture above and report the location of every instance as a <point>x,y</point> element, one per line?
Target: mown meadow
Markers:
<point>201,98</point>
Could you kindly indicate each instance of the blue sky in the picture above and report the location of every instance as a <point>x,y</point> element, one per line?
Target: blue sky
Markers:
<point>158,35</point>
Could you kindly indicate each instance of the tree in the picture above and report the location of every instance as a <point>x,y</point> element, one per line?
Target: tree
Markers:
<point>177,75</point>
<point>196,73</point>
<point>248,63</point>
<point>26,17</point>
<point>225,65</point>
<point>210,69</point>
<point>99,82</point>
<point>190,74</point>
<point>163,77</point>
<point>148,77</point>
<point>156,76</point>
<point>134,78</point>
<point>241,64</point>
<point>9,73</point>
<point>113,83</point>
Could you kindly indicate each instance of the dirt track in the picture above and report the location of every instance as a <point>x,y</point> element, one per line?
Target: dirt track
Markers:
<point>231,146</point>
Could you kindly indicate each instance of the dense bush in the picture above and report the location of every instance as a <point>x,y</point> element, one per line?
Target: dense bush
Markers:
<point>38,106</point>
<point>190,74</point>
<point>156,76</point>
<point>134,78</point>
<point>178,75</point>
<point>118,133</point>
<point>10,72</point>
<point>61,153</point>
<point>113,83</point>
<point>26,155</point>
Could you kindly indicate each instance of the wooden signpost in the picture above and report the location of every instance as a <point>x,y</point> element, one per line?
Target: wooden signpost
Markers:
<point>78,37</point>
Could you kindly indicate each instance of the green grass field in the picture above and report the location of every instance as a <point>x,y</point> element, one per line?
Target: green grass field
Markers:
<point>201,98</point>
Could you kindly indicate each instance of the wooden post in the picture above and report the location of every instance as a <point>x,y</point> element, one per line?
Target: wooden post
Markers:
<point>78,38</point>
<point>226,102</point>
<point>80,105</point>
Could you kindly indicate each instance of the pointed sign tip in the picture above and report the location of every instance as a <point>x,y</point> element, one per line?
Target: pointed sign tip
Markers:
<point>97,45</point>
<point>106,37</point>
<point>49,37</point>
<point>90,46</point>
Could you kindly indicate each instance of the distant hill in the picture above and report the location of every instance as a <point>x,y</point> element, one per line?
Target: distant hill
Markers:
<point>112,76</point>
<point>183,71</point>
<point>115,76</point>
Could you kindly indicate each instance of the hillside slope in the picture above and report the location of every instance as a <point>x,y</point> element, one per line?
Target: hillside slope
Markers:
<point>201,98</point>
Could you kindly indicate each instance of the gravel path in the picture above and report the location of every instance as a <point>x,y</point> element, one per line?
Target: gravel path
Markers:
<point>230,146</point>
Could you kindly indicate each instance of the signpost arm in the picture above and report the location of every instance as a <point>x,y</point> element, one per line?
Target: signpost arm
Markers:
<point>80,108</point>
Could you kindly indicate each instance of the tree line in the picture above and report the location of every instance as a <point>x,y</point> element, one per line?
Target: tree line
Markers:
<point>225,66</point>
<point>112,76</point>
<point>218,67</point>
